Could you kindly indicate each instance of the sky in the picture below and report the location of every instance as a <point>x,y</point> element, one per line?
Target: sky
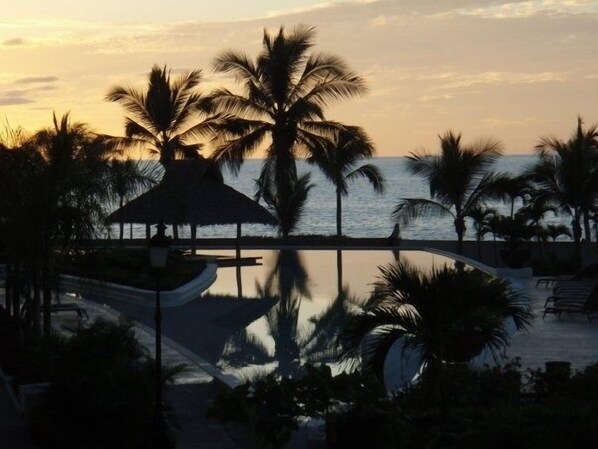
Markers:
<point>510,70</point>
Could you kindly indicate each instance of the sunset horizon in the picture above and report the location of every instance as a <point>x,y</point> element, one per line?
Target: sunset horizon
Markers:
<point>514,71</point>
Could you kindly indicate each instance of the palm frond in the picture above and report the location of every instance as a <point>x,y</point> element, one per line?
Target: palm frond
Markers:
<point>409,209</point>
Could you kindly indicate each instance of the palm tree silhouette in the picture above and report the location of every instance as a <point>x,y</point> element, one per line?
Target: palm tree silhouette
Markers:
<point>285,91</point>
<point>459,179</point>
<point>445,315</point>
<point>163,119</point>
<point>567,177</point>
<point>66,179</point>
<point>338,160</point>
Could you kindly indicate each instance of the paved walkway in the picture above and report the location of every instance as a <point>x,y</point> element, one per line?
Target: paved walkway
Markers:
<point>570,338</point>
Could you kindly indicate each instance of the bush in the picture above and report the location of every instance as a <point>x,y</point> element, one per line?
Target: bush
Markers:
<point>102,393</point>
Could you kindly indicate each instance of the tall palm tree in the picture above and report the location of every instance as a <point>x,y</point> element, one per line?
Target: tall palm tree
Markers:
<point>446,315</point>
<point>163,119</point>
<point>567,177</point>
<point>459,179</point>
<point>129,177</point>
<point>338,160</point>
<point>72,190</point>
<point>54,192</point>
<point>285,91</point>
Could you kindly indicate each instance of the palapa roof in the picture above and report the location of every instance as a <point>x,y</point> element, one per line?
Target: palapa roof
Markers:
<point>192,192</point>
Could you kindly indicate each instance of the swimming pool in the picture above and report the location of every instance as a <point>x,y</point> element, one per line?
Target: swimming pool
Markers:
<point>278,315</point>
<point>311,292</point>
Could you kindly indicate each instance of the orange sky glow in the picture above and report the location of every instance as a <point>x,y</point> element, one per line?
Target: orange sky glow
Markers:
<point>512,70</point>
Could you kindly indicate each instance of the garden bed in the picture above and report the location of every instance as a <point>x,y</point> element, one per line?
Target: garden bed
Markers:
<point>131,267</point>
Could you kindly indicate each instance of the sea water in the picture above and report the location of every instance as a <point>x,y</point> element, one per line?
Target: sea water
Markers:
<point>365,213</point>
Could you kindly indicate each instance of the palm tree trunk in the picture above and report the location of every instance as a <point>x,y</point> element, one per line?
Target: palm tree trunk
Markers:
<point>121,225</point>
<point>35,306</point>
<point>175,232</point>
<point>339,214</point>
<point>587,227</point>
<point>460,229</point>
<point>577,234</point>
<point>193,238</point>
<point>8,289</point>
<point>339,271</point>
<point>148,231</point>
<point>131,231</point>
<point>46,288</point>
<point>238,268</point>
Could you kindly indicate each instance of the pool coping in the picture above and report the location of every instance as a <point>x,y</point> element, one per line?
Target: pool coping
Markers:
<point>93,288</point>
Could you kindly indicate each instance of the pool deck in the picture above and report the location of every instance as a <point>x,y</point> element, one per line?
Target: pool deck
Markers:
<point>570,338</point>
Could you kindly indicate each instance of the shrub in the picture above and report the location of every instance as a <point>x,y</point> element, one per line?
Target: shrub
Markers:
<point>102,394</point>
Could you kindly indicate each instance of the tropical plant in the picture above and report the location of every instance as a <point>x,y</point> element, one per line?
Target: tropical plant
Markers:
<point>129,177</point>
<point>287,206</point>
<point>338,160</point>
<point>56,189</point>
<point>447,315</point>
<point>285,91</point>
<point>103,391</point>
<point>163,119</point>
<point>508,188</point>
<point>567,177</point>
<point>481,217</point>
<point>513,229</point>
<point>556,231</point>
<point>459,181</point>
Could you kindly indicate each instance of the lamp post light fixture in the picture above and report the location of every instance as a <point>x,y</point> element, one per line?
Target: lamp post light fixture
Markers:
<point>158,249</point>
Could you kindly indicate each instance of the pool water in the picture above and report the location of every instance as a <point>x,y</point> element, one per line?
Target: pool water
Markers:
<point>310,292</point>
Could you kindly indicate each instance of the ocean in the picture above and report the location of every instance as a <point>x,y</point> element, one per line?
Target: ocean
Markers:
<point>365,213</point>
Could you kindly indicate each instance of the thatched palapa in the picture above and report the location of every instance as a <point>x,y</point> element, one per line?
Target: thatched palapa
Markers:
<point>192,192</point>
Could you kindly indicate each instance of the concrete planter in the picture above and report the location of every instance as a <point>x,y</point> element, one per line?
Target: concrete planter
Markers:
<point>97,290</point>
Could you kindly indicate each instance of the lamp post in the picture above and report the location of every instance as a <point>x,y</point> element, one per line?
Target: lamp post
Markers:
<point>158,249</point>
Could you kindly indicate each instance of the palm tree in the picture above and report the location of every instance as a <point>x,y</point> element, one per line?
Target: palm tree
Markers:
<point>71,183</point>
<point>567,177</point>
<point>285,91</point>
<point>447,315</point>
<point>509,188</point>
<point>164,118</point>
<point>338,160</point>
<point>481,217</point>
<point>289,205</point>
<point>127,178</point>
<point>459,180</point>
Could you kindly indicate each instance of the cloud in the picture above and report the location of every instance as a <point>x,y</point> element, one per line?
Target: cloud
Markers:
<point>14,97</point>
<point>13,42</point>
<point>37,79</point>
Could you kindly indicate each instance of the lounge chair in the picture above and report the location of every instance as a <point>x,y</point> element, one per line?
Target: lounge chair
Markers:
<point>573,304</point>
<point>571,289</point>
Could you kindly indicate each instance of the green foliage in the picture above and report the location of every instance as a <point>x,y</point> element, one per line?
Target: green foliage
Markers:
<point>494,408</point>
<point>450,314</point>
<point>274,405</point>
<point>131,267</point>
<point>459,179</point>
<point>102,393</point>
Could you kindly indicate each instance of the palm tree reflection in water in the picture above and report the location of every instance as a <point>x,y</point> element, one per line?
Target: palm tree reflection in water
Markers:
<point>295,343</point>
